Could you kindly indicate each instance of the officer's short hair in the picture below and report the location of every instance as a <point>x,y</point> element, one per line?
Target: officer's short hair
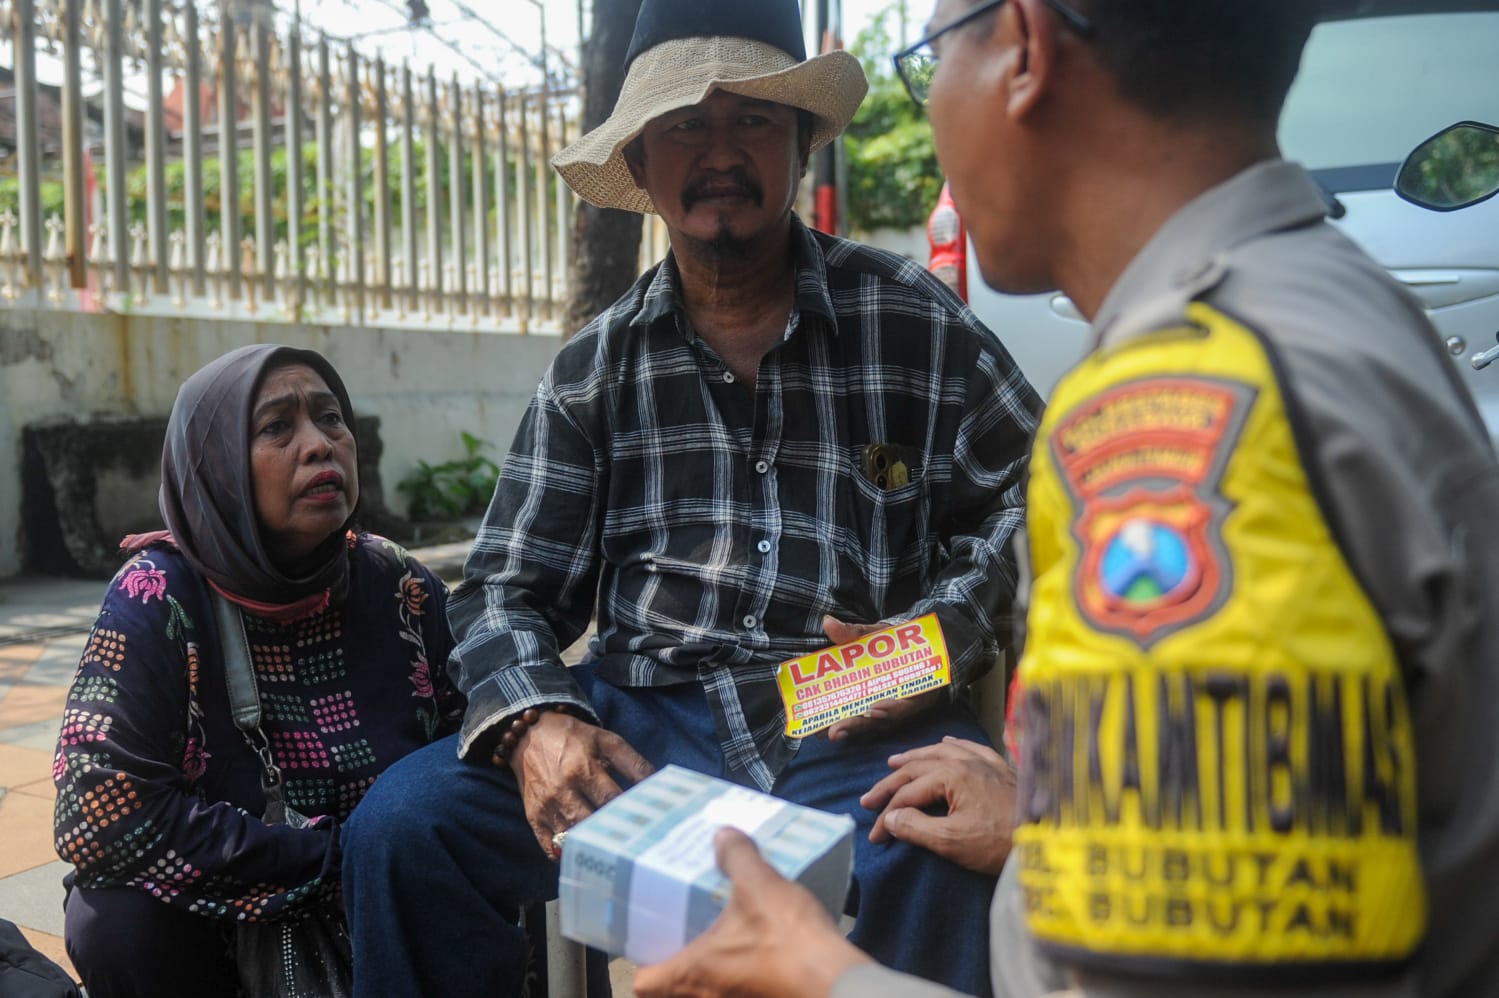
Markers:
<point>1202,58</point>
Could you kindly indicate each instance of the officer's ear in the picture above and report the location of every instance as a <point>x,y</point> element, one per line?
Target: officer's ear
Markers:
<point>1029,34</point>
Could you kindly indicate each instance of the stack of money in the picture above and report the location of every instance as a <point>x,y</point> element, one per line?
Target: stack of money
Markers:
<point>638,876</point>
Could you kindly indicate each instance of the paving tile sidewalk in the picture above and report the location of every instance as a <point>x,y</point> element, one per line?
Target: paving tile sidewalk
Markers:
<point>44,623</point>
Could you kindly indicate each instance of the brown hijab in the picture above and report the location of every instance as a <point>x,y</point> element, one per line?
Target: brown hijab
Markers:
<point>207,489</point>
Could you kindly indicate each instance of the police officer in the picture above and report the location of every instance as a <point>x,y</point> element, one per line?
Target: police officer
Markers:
<point>1255,708</point>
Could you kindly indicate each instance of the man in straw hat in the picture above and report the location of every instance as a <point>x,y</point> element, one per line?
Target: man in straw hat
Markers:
<point>775,440</point>
<point>1256,738</point>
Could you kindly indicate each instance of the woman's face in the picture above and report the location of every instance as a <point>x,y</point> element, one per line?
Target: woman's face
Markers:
<point>302,462</point>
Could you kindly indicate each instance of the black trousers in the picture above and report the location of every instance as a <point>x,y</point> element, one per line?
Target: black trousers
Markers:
<point>126,944</point>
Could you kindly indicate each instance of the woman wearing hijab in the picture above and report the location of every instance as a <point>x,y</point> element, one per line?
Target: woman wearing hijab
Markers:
<point>158,791</point>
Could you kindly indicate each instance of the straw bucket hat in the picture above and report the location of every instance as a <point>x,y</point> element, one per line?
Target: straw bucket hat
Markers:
<point>681,52</point>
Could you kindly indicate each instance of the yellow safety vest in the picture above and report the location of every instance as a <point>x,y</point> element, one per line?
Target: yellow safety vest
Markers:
<point>1217,764</point>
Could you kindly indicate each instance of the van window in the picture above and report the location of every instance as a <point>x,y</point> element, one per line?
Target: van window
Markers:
<point>1372,89</point>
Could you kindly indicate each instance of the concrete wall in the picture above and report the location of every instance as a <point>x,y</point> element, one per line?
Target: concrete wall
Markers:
<point>425,385</point>
<point>910,243</point>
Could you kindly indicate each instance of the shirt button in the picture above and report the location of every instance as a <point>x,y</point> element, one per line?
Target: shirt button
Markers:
<point>761,467</point>
<point>749,620</point>
<point>728,377</point>
<point>763,547</point>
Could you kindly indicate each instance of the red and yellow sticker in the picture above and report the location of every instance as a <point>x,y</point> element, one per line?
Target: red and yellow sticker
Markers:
<point>844,681</point>
<point>1144,463</point>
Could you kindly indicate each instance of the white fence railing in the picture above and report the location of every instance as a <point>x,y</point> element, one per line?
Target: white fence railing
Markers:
<point>273,175</point>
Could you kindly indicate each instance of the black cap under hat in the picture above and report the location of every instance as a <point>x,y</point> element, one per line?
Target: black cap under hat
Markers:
<point>774,22</point>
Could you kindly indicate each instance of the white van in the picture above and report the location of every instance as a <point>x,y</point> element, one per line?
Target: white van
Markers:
<point>1375,84</point>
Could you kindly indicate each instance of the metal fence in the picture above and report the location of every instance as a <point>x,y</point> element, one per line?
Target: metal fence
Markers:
<point>328,187</point>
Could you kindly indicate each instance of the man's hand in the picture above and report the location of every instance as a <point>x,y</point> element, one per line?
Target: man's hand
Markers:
<point>885,714</point>
<point>773,939</point>
<point>976,785</point>
<point>566,770</point>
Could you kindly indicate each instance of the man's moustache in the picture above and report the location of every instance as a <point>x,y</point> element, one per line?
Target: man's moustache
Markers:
<point>699,190</point>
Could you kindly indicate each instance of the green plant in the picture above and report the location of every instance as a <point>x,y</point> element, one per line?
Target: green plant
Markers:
<point>10,197</point>
<point>460,487</point>
<point>893,177</point>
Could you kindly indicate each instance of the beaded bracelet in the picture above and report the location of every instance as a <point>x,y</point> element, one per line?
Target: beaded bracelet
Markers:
<point>518,727</point>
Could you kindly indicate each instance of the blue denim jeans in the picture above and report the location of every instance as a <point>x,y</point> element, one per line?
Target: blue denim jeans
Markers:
<point>438,857</point>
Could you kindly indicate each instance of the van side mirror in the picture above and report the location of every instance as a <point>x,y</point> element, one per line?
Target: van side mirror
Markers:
<point>1456,168</point>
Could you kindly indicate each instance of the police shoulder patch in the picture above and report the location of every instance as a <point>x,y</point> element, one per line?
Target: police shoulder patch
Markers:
<point>1143,462</point>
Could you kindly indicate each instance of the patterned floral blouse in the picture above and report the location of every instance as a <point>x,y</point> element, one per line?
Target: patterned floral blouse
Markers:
<point>156,787</point>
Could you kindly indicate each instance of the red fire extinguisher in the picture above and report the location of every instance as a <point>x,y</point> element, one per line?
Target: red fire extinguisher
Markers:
<point>948,242</point>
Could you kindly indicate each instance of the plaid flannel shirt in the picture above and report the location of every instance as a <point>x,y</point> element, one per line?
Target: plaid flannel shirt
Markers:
<point>710,527</point>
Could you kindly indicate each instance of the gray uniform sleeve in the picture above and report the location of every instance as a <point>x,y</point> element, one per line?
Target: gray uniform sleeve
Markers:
<point>1020,969</point>
<point>1407,478</point>
<point>1017,966</point>
<point>1412,488</point>
<point>1391,441</point>
<point>1395,473</point>
<point>870,980</point>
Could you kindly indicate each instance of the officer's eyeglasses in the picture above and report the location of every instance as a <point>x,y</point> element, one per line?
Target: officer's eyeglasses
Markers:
<point>918,64</point>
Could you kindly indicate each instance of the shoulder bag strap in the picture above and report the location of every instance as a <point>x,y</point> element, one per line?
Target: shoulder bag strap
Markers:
<point>239,674</point>
<point>244,700</point>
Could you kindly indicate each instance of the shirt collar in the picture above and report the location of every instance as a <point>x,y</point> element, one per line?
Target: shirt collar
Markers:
<point>1185,256</point>
<point>663,295</point>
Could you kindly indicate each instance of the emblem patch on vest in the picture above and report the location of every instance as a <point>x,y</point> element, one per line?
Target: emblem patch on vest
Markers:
<point>1143,463</point>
